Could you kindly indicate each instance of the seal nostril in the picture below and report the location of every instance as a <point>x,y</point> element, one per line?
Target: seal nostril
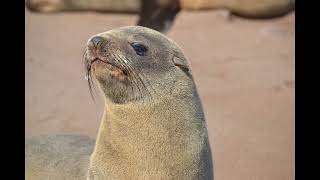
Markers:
<point>97,40</point>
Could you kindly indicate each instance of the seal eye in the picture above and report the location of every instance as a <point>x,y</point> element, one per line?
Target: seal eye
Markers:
<point>139,48</point>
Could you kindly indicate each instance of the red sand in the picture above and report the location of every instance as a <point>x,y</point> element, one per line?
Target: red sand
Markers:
<point>244,70</point>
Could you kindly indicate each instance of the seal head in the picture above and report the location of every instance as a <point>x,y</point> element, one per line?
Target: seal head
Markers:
<point>129,65</point>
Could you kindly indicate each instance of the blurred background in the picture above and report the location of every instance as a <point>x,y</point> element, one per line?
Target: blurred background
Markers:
<point>243,68</point>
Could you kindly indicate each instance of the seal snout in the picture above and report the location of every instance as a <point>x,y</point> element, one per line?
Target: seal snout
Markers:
<point>96,41</point>
<point>101,55</point>
<point>95,46</point>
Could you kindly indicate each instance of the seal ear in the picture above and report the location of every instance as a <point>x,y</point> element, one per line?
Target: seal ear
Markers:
<point>180,63</point>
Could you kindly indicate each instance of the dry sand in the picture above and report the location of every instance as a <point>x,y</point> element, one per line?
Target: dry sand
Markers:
<point>244,70</point>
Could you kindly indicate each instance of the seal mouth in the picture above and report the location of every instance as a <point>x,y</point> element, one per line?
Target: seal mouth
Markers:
<point>110,65</point>
<point>118,71</point>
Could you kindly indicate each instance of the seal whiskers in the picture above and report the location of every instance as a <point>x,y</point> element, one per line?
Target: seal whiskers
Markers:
<point>133,76</point>
<point>153,126</point>
<point>88,76</point>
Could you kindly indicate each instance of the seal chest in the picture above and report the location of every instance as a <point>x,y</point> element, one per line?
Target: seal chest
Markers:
<point>153,126</point>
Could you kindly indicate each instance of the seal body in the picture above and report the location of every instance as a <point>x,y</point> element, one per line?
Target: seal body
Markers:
<point>249,8</point>
<point>47,6</point>
<point>153,126</point>
<point>160,14</point>
<point>245,8</point>
<point>146,146</point>
<point>58,157</point>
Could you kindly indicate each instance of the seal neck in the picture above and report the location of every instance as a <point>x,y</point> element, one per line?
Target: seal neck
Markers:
<point>202,4</point>
<point>142,133</point>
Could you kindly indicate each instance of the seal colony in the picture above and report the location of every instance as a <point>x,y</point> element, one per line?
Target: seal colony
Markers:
<point>160,14</point>
<point>153,125</point>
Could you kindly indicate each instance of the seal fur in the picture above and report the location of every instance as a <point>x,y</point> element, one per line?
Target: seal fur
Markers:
<point>153,125</point>
<point>160,14</point>
<point>153,128</point>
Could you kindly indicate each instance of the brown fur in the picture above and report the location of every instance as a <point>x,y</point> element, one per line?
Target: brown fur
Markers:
<point>160,14</point>
<point>162,133</point>
<point>245,8</point>
<point>57,157</point>
<point>153,125</point>
<point>124,6</point>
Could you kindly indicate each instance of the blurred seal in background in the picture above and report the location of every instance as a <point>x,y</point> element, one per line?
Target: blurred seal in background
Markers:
<point>160,14</point>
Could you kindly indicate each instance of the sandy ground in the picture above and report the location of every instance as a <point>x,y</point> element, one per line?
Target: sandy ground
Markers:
<point>244,70</point>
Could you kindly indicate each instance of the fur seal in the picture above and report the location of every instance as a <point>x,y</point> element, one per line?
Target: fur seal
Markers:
<point>50,6</point>
<point>160,14</point>
<point>57,157</point>
<point>153,125</point>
